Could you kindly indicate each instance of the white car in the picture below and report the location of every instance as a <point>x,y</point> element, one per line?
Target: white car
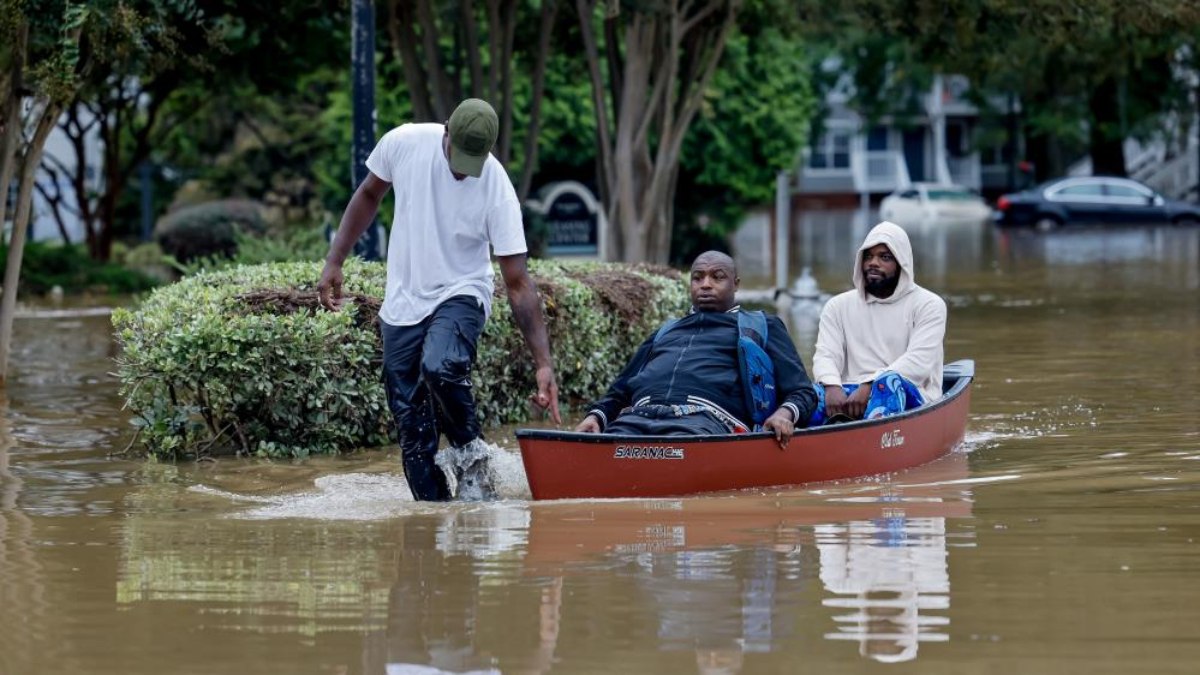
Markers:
<point>934,203</point>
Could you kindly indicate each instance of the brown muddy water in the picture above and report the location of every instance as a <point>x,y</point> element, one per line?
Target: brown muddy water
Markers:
<point>1064,537</point>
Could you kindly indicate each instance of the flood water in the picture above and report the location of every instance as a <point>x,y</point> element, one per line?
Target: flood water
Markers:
<point>1064,537</point>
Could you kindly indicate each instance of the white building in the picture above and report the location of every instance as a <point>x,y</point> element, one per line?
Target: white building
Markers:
<point>854,157</point>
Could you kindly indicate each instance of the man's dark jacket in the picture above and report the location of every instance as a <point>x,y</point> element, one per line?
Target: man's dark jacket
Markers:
<point>696,362</point>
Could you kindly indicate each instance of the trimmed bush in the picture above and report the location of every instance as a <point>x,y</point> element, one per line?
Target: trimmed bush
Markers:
<point>208,229</point>
<point>242,360</point>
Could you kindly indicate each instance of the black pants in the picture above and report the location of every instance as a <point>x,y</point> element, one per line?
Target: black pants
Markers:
<point>658,421</point>
<point>427,369</point>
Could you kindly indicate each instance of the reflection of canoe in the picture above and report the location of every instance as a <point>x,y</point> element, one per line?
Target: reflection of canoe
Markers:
<point>572,533</point>
<point>565,464</point>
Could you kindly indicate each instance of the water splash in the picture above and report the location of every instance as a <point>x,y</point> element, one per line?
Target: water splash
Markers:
<point>378,496</point>
<point>483,471</point>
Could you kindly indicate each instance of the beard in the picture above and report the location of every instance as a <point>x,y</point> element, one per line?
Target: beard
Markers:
<point>884,287</point>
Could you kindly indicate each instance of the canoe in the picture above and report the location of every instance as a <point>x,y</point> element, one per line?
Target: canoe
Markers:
<point>567,465</point>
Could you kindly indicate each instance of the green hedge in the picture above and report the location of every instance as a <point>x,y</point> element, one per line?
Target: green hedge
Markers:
<point>241,360</point>
<point>44,266</point>
<point>208,229</point>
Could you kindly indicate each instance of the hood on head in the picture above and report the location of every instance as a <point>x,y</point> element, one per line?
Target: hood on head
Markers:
<point>896,239</point>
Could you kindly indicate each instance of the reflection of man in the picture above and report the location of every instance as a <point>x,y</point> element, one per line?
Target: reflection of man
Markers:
<point>720,603</point>
<point>887,574</point>
<point>446,617</point>
<point>453,201</point>
<point>879,345</point>
<point>685,379</point>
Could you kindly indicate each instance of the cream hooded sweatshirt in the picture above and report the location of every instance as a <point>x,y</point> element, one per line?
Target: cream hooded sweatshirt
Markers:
<point>861,336</point>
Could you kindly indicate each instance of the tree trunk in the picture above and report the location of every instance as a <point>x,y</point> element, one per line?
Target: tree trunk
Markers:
<point>1106,142</point>
<point>472,49</point>
<point>667,59</point>
<point>404,47</point>
<point>16,248</point>
<point>530,158</point>
<point>9,138</point>
<point>10,115</point>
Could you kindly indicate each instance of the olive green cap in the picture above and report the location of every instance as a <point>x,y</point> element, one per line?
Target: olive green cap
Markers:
<point>473,128</point>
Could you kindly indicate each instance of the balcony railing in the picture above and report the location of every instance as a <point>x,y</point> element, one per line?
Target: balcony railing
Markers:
<point>879,171</point>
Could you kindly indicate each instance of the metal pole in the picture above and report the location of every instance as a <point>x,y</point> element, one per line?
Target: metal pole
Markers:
<point>362,75</point>
<point>783,221</point>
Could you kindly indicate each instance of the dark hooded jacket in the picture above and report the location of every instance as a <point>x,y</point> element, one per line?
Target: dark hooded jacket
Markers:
<point>696,362</point>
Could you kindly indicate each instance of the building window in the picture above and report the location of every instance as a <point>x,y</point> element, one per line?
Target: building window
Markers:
<point>831,151</point>
<point>878,138</point>
<point>997,154</point>
<point>956,138</point>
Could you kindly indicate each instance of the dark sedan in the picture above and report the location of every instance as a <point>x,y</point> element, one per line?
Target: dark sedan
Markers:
<point>1092,200</point>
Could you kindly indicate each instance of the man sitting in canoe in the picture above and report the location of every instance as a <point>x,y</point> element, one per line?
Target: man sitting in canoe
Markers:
<point>879,345</point>
<point>686,379</point>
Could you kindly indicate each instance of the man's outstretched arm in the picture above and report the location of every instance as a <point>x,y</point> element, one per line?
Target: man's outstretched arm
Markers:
<point>359,214</point>
<point>527,311</point>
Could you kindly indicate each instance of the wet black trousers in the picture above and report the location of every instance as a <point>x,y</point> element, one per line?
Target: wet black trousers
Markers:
<point>426,370</point>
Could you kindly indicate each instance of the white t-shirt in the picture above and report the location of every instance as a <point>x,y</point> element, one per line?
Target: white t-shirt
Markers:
<point>442,227</point>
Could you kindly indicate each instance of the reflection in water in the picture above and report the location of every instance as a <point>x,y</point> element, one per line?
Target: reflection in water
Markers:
<point>724,580</point>
<point>457,605</point>
<point>22,589</point>
<point>721,603</point>
<point>887,571</point>
<point>315,577</point>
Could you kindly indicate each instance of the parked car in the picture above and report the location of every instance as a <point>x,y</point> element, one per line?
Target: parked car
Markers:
<point>1092,200</point>
<point>934,203</point>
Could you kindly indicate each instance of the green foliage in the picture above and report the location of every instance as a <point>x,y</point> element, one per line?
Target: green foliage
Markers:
<point>754,123</point>
<point>297,244</point>
<point>203,371</point>
<point>208,229</point>
<point>45,266</point>
<point>206,368</point>
<point>1083,75</point>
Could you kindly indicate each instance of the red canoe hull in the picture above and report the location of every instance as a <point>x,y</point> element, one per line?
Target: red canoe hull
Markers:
<point>570,465</point>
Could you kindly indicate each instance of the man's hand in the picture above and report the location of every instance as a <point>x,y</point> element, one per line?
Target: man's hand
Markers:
<point>589,425</point>
<point>329,288</point>
<point>781,423</point>
<point>835,400</point>
<point>547,393</point>
<point>856,404</point>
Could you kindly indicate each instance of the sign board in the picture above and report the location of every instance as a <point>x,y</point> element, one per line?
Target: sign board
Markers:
<point>573,219</point>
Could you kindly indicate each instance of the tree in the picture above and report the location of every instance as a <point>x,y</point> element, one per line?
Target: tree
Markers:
<point>647,88</point>
<point>437,47</point>
<point>1092,75</point>
<point>39,56</point>
<point>154,65</point>
<point>755,120</point>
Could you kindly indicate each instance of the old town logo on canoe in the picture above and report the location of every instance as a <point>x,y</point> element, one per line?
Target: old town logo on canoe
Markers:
<point>646,452</point>
<point>891,439</point>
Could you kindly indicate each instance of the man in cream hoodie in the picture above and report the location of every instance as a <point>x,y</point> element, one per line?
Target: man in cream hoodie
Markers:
<point>879,345</point>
